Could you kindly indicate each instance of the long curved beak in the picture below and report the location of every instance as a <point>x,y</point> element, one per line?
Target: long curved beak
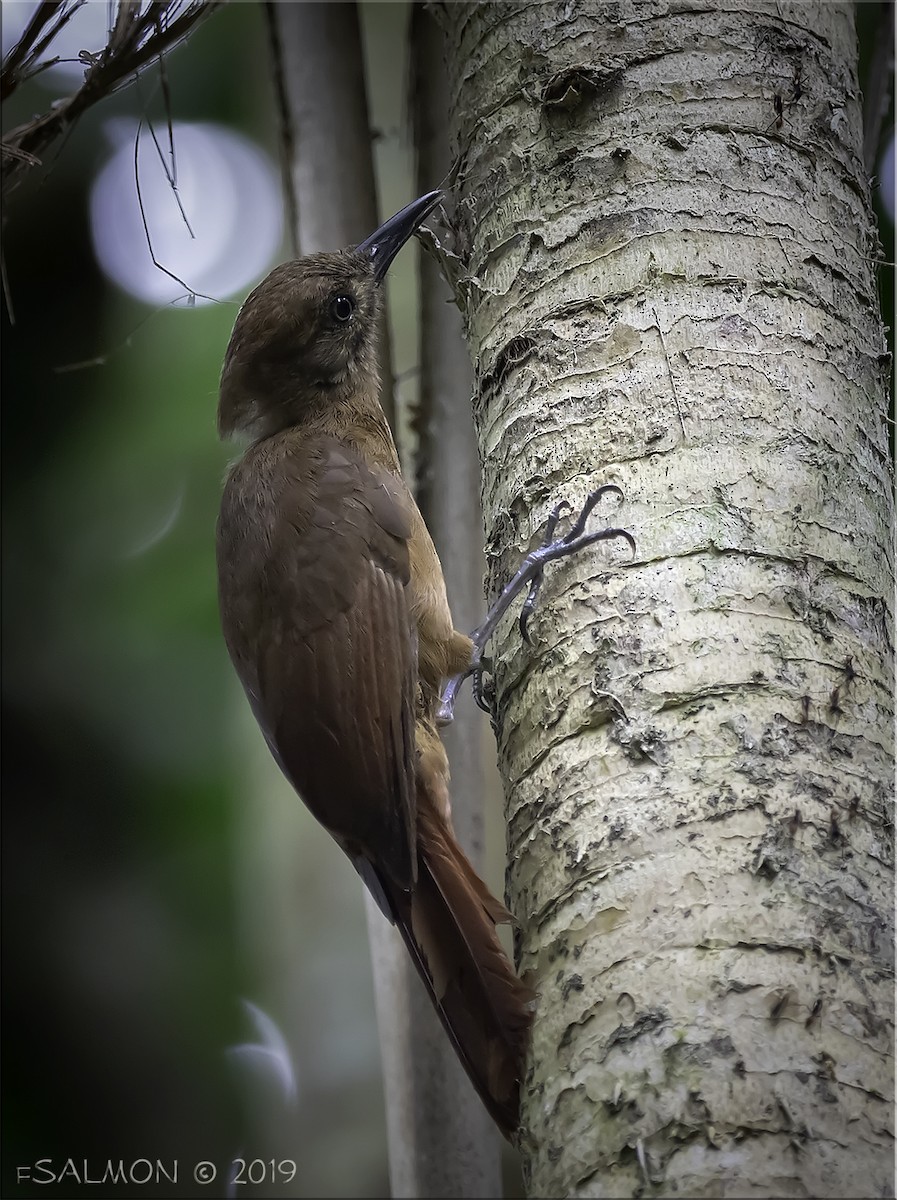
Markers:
<point>383,245</point>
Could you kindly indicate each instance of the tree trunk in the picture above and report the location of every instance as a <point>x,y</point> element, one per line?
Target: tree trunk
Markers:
<point>285,855</point>
<point>319,75</point>
<point>455,1148</point>
<point>441,1141</point>
<point>666,255</point>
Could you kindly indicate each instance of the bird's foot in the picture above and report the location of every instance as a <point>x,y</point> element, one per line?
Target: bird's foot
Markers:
<point>530,574</point>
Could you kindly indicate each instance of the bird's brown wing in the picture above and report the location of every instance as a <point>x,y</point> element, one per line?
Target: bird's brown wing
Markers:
<point>315,612</point>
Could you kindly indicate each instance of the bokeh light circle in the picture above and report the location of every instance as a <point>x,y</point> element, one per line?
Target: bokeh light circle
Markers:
<point>230,194</point>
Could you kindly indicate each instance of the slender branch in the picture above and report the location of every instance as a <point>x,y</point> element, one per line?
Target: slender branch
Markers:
<point>285,140</point>
<point>332,169</point>
<point>138,37</point>
<point>24,49</point>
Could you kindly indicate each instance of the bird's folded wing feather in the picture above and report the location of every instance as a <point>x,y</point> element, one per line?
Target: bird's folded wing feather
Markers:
<point>319,625</point>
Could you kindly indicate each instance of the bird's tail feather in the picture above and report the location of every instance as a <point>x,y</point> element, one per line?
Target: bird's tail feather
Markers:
<point>448,924</point>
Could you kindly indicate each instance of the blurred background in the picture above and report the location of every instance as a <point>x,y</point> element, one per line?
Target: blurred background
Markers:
<point>173,918</point>
<point>158,873</point>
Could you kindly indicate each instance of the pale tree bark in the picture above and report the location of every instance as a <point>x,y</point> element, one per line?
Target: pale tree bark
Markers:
<point>666,254</point>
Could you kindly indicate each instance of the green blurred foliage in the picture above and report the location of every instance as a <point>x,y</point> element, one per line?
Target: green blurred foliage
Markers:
<point>139,907</point>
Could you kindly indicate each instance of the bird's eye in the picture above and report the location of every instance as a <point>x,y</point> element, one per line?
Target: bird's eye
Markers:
<point>341,308</point>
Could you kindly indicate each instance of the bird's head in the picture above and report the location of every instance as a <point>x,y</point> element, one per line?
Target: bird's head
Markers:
<point>306,337</point>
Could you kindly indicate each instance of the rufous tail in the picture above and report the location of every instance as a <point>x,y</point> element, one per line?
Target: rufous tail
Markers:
<point>448,924</point>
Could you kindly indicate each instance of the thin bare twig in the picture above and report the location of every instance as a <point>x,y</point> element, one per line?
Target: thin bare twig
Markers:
<point>170,171</point>
<point>285,141</point>
<point>140,33</point>
<point>166,99</point>
<point>126,343</point>
<point>7,293</point>
<point>192,293</point>
<point>14,66</point>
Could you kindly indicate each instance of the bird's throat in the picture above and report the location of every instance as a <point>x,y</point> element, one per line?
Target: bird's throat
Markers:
<point>362,425</point>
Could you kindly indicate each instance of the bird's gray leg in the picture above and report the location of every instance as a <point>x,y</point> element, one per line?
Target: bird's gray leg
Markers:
<point>530,573</point>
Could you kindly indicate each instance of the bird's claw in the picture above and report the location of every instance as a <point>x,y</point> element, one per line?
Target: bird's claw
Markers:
<point>529,605</point>
<point>530,574</point>
<point>568,544</point>
<point>591,500</point>
<point>479,692</point>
